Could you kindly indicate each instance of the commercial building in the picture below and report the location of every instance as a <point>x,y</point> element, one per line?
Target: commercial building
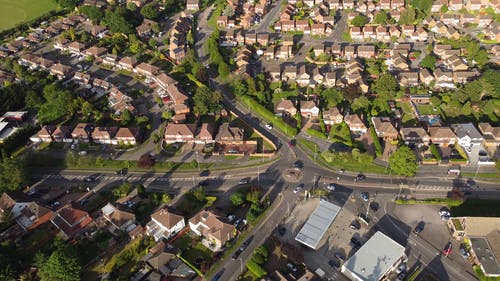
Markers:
<point>318,223</point>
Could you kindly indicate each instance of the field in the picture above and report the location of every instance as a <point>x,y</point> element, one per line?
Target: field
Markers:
<point>14,12</point>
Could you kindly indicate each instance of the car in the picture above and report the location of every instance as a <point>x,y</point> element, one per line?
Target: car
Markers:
<point>334,263</point>
<point>331,187</point>
<point>355,241</point>
<point>401,268</point>
<point>217,276</point>
<point>365,196</point>
<point>291,266</point>
<point>236,254</point>
<point>401,277</point>
<point>243,181</point>
<point>341,171</point>
<point>292,143</point>
<point>339,256</point>
<point>282,230</point>
<point>231,218</point>
<point>463,251</point>
<point>246,243</point>
<point>269,126</point>
<point>204,183</point>
<point>420,227</point>
<point>298,188</point>
<point>122,172</point>
<point>204,173</point>
<point>237,222</point>
<point>89,179</point>
<point>355,225</point>
<point>447,249</point>
<point>360,177</point>
<point>467,191</point>
<point>298,164</point>
<point>374,206</point>
<point>444,212</point>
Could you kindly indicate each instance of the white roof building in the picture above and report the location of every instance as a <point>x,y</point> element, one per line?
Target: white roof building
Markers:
<point>318,223</point>
<point>377,257</point>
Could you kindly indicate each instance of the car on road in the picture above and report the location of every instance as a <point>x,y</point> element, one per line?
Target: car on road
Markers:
<point>401,277</point>
<point>231,218</point>
<point>448,249</point>
<point>269,126</point>
<point>90,179</point>
<point>444,213</point>
<point>420,227</point>
<point>282,230</point>
<point>331,187</point>
<point>365,196</point>
<point>204,183</point>
<point>246,243</point>
<point>204,173</point>
<point>339,256</point>
<point>298,164</point>
<point>463,251</point>
<point>292,143</point>
<point>218,275</point>
<point>355,225</point>
<point>243,181</point>
<point>360,177</point>
<point>122,172</point>
<point>334,263</point>
<point>236,254</point>
<point>298,188</point>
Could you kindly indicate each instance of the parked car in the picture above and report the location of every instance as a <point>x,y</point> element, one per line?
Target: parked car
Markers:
<point>447,249</point>
<point>331,187</point>
<point>463,251</point>
<point>401,277</point>
<point>355,241</point>
<point>246,243</point>
<point>374,206</point>
<point>298,164</point>
<point>269,126</point>
<point>401,268</point>
<point>339,256</point>
<point>298,188</point>
<point>420,227</point>
<point>334,263</point>
<point>292,143</point>
<point>355,225</point>
<point>444,213</point>
<point>243,181</point>
<point>360,177</point>
<point>236,254</point>
<point>217,276</point>
<point>282,230</point>
<point>204,173</point>
<point>365,196</point>
<point>231,218</point>
<point>204,183</point>
<point>122,172</point>
<point>291,266</point>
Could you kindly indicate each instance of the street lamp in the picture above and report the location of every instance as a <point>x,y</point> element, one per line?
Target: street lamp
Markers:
<point>198,163</point>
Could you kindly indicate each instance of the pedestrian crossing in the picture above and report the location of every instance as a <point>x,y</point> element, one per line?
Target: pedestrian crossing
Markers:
<point>432,187</point>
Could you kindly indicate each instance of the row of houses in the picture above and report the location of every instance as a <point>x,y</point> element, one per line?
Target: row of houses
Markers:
<point>178,38</point>
<point>204,134</point>
<point>385,33</point>
<point>84,132</point>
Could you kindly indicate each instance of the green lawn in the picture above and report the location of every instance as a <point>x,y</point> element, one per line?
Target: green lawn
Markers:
<point>426,109</point>
<point>14,12</point>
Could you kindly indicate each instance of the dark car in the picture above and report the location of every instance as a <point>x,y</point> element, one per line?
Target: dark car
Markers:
<point>334,263</point>
<point>204,173</point>
<point>355,241</point>
<point>217,276</point>
<point>292,143</point>
<point>89,179</point>
<point>246,243</point>
<point>340,256</point>
<point>122,172</point>
<point>282,230</point>
<point>298,164</point>
<point>204,183</point>
<point>360,177</point>
<point>374,206</point>
<point>236,254</point>
<point>355,225</point>
<point>420,227</point>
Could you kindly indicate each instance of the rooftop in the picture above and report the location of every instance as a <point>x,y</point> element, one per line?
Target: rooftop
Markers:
<point>318,223</point>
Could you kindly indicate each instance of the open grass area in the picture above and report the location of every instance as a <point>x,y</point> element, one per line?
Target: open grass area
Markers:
<point>14,12</point>
<point>426,109</point>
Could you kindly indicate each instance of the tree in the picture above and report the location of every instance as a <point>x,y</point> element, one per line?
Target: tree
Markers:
<point>424,6</point>
<point>429,62</point>
<point>150,11</point>
<point>253,196</point>
<point>93,12</point>
<point>206,101</point>
<point>407,16</point>
<point>359,21</point>
<point>199,194</point>
<point>62,265</point>
<point>237,199</point>
<point>228,11</point>
<point>146,161</point>
<point>239,87</point>
<point>68,4</point>
<point>381,18</point>
<point>126,117</point>
<point>403,162</point>
<point>223,69</point>
<point>385,86</point>
<point>167,114</point>
<point>118,22</point>
<point>12,174</point>
<point>332,96</point>
<point>360,104</point>
<point>444,9</point>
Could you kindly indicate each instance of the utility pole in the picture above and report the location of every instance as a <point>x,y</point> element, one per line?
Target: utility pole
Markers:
<point>198,163</point>
<point>400,189</point>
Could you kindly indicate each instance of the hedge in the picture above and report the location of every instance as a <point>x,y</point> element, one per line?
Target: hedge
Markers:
<point>268,115</point>
<point>256,269</point>
<point>376,142</point>
<point>435,152</point>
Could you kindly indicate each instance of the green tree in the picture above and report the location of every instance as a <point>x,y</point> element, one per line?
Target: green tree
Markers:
<point>126,117</point>
<point>424,6</point>
<point>206,101</point>
<point>429,62</point>
<point>253,196</point>
<point>360,104</point>
<point>385,86</point>
<point>237,199</point>
<point>407,16</point>
<point>381,18</point>
<point>118,22</point>
<point>12,174</point>
<point>62,265</point>
<point>68,4</point>
<point>359,21</point>
<point>403,162</point>
<point>332,96</point>
<point>239,87</point>
<point>150,11</point>
<point>199,194</point>
<point>167,114</point>
<point>93,12</point>
<point>444,9</point>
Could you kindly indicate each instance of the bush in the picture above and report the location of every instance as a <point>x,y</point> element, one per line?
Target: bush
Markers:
<point>376,142</point>
<point>237,199</point>
<point>146,161</point>
<point>435,152</point>
<point>256,269</point>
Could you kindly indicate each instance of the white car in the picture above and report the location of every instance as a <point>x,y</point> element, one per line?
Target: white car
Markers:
<point>269,126</point>
<point>401,268</point>
<point>331,187</point>
<point>297,189</point>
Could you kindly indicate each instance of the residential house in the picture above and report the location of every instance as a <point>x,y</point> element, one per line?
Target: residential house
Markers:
<point>400,62</point>
<point>384,128</point>
<point>76,48</point>
<point>356,33</point>
<point>303,78</point>
<point>455,5</point>
<point>83,132</point>
<point>336,50</point>
<point>164,224</point>
<point>82,79</point>
<point>366,51</point>
<point>355,123</point>
<point>193,5</point>
<point>101,84</point>
<point>414,136</point>
<point>289,73</point>
<point>442,136</point>
<point>317,77</point>
<point>127,136</point>
<point>287,25</point>
<point>214,231</point>
<point>350,52</point>
<point>455,63</point>
<point>222,21</point>
<point>332,116</point>
<point>284,52</point>
<point>62,134</point>
<point>309,109</point>
<point>147,69</point>
<point>382,34</point>
<point>425,76</point>
<point>491,134</point>
<point>145,30</point>
<point>484,20</point>
<point>302,25</point>
<point>467,135</point>
<point>437,4</point>
<point>104,135</point>
<point>118,218</point>
<point>385,4</point>
<point>128,63</point>
<point>397,4</point>
<point>444,78</point>
<point>274,72</point>
<point>110,59</point>
<point>44,135</point>
<point>61,71</point>
<point>330,78</point>
<point>119,101</point>
<point>179,133</point>
<point>318,29</point>
<point>228,134</point>
<point>262,38</point>
<point>285,108</point>
<point>27,213</point>
<point>96,52</point>
<point>164,80</point>
<point>269,53</point>
<point>70,221</point>
<point>394,32</point>
<point>369,32</point>
<point>462,77</point>
<point>408,79</point>
<point>204,134</point>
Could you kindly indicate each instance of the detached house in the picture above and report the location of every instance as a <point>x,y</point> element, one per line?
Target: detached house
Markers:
<point>467,135</point>
<point>303,78</point>
<point>147,69</point>
<point>415,136</point>
<point>126,136</point>
<point>309,109</point>
<point>491,134</point>
<point>70,221</point>
<point>230,135</point>
<point>384,128</point>
<point>355,123</point>
<point>214,231</point>
<point>164,224</point>
<point>442,136</point>
<point>118,219</point>
<point>179,133</point>
<point>333,116</point>
<point>83,132</point>
<point>285,108</point>
<point>27,213</point>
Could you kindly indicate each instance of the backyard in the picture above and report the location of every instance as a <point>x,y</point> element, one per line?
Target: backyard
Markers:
<point>194,252</point>
<point>14,12</point>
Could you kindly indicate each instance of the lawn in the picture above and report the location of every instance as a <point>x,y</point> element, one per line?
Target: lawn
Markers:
<point>189,206</point>
<point>14,12</point>
<point>194,254</point>
<point>426,109</point>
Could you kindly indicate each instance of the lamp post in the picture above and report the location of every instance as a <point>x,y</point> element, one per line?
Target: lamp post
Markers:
<point>198,163</point>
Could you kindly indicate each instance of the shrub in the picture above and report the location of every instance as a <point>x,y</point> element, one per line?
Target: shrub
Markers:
<point>376,142</point>
<point>435,152</point>
<point>256,269</point>
<point>315,133</point>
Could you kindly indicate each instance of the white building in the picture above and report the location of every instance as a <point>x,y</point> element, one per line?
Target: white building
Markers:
<point>467,135</point>
<point>375,259</point>
<point>164,224</point>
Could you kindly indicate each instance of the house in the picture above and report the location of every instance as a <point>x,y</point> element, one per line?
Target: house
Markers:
<point>274,72</point>
<point>318,29</point>
<point>408,79</point>
<point>61,71</point>
<point>317,77</point>
<point>455,5</point>
<point>127,136</point>
<point>145,30</point>
<point>302,25</point>
<point>455,63</point>
<point>83,132</point>
<point>462,77</point>
<point>27,213</point>
<point>263,38</point>
<point>444,78</point>
<point>355,123</point>
<point>349,52</point>
<point>285,108</point>
<point>101,84</point>
<point>269,53</point>
<point>303,78</point>
<point>164,80</point>
<point>425,76</point>
<point>332,116</point>
<point>82,79</point>
<point>104,135</point>
<point>76,48</point>
<point>394,32</point>
<point>442,136</point>
<point>467,135</point>
<point>287,25</point>
<point>118,219</point>
<point>369,32</point>
<point>110,59</point>
<point>44,135</point>
<point>284,52</point>
<point>96,52</point>
<point>128,63</point>
<point>192,5</point>
<point>330,78</point>
<point>230,135</point>
<point>164,224</point>
<point>62,134</point>
<point>414,136</point>
<point>309,109</point>
<point>401,63</point>
<point>366,51</point>
<point>147,69</point>
<point>222,21</point>
<point>119,101</point>
<point>204,134</point>
<point>384,128</point>
<point>214,231</point>
<point>484,20</point>
<point>356,33</point>
<point>179,133</point>
<point>385,4</point>
<point>289,73</point>
<point>70,221</point>
<point>491,134</point>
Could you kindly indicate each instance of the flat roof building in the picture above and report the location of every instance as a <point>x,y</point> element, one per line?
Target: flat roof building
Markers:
<point>318,223</point>
<point>377,257</point>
